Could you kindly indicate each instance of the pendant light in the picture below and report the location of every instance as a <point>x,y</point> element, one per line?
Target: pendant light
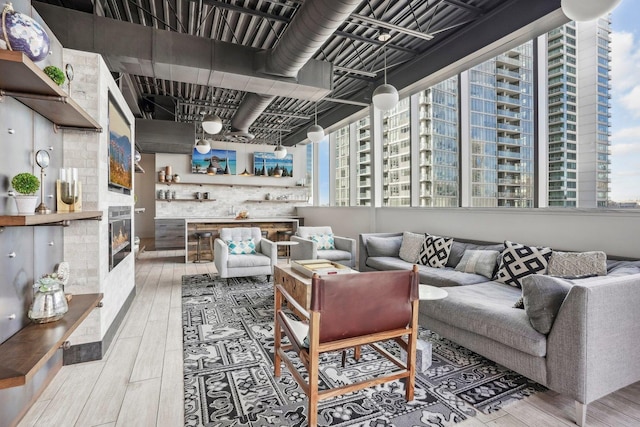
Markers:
<point>211,124</point>
<point>280,151</point>
<point>315,133</point>
<point>211,170</point>
<point>587,10</point>
<point>385,97</point>
<point>203,146</point>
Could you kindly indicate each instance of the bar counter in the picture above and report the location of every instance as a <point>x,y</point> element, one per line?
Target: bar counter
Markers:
<point>271,225</point>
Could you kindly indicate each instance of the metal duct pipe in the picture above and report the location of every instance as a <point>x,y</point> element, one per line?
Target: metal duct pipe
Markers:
<point>310,28</point>
<point>314,22</point>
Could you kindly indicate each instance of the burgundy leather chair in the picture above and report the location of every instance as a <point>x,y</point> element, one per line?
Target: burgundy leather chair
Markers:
<point>350,310</point>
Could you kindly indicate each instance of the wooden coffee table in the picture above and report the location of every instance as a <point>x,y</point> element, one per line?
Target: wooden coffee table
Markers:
<point>296,285</point>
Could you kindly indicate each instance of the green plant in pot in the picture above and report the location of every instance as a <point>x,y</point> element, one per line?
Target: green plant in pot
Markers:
<point>26,184</point>
<point>54,74</point>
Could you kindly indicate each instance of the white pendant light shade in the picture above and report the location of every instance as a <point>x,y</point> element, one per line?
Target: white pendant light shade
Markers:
<point>385,97</point>
<point>203,146</point>
<point>315,133</point>
<point>211,124</point>
<point>280,152</point>
<point>587,10</point>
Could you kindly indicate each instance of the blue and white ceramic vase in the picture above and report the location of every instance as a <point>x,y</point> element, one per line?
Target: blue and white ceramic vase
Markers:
<point>23,33</point>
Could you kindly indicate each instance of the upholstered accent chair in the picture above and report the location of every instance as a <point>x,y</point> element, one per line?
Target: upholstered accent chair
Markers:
<point>349,310</point>
<point>321,243</point>
<point>242,252</point>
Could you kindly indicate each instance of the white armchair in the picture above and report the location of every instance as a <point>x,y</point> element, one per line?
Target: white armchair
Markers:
<point>312,242</point>
<point>239,261</point>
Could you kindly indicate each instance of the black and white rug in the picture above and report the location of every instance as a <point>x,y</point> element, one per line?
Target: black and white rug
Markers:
<point>228,371</point>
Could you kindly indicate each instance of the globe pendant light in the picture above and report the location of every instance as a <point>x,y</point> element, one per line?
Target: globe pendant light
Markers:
<point>203,146</point>
<point>315,133</point>
<point>385,97</point>
<point>587,10</point>
<point>280,152</point>
<point>211,124</point>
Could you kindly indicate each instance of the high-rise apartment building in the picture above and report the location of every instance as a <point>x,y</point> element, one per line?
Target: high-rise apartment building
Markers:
<point>578,58</point>
<point>498,125</point>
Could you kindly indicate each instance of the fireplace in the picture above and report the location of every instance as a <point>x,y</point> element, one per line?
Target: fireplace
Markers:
<point>119,234</point>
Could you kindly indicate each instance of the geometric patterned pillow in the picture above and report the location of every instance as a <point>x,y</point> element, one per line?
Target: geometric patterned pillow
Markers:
<point>435,251</point>
<point>242,247</point>
<point>324,241</point>
<point>519,261</point>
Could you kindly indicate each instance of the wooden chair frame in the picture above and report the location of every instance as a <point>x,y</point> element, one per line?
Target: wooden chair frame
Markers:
<point>310,356</point>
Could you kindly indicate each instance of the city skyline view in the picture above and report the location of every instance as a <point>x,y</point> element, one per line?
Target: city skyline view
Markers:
<point>625,111</point>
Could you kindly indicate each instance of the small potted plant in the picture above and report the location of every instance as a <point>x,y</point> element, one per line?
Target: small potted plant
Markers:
<point>26,184</point>
<point>55,74</point>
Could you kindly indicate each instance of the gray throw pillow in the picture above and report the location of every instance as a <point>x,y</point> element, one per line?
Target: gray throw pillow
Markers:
<point>543,296</point>
<point>572,265</point>
<point>410,248</point>
<point>478,262</point>
<point>384,246</point>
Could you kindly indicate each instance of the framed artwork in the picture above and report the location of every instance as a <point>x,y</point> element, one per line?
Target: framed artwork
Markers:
<point>267,164</point>
<point>217,159</point>
<point>120,158</point>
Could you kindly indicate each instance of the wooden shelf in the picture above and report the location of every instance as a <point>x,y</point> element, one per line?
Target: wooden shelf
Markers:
<point>185,200</point>
<point>200,184</point>
<point>47,219</point>
<point>21,79</point>
<point>275,201</point>
<point>22,355</point>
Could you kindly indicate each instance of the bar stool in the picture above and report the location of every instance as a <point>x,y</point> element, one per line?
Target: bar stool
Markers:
<point>199,236</point>
<point>284,235</point>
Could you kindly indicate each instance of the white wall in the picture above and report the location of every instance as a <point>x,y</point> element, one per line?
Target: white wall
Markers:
<point>617,232</point>
<point>86,243</point>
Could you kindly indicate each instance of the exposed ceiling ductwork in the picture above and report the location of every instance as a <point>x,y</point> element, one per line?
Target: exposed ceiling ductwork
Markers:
<point>310,28</point>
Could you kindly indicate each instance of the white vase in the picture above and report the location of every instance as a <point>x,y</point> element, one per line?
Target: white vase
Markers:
<point>26,204</point>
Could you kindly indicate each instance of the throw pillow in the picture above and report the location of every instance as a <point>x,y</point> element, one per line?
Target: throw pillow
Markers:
<point>241,247</point>
<point>435,251</point>
<point>577,264</point>
<point>384,246</point>
<point>410,247</point>
<point>543,296</point>
<point>478,262</point>
<point>324,241</point>
<point>519,261</point>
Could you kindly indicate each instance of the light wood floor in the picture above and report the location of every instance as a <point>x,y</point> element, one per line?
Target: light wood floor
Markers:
<point>139,382</point>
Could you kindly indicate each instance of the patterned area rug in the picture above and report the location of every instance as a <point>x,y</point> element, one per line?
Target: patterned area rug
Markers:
<point>228,370</point>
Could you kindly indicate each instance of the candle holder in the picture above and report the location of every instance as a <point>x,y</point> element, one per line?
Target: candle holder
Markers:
<point>69,191</point>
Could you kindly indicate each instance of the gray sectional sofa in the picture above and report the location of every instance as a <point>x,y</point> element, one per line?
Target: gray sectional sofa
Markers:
<point>593,343</point>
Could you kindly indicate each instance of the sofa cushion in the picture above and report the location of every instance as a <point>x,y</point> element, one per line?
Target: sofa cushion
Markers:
<point>384,246</point>
<point>542,297</point>
<point>245,261</point>
<point>459,248</point>
<point>241,247</point>
<point>487,309</point>
<point>577,264</point>
<point>519,261</point>
<point>434,251</point>
<point>479,262</point>
<point>428,275</point>
<point>334,255</point>
<point>410,247</point>
<point>324,241</point>
<point>621,268</point>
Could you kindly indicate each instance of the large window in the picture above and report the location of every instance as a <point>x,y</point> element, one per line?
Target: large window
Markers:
<point>364,162</point>
<point>396,156</point>
<point>342,167</point>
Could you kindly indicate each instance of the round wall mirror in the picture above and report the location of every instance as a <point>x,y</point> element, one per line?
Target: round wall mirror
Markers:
<point>42,158</point>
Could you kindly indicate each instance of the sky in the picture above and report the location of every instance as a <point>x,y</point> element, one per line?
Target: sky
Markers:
<point>625,102</point>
